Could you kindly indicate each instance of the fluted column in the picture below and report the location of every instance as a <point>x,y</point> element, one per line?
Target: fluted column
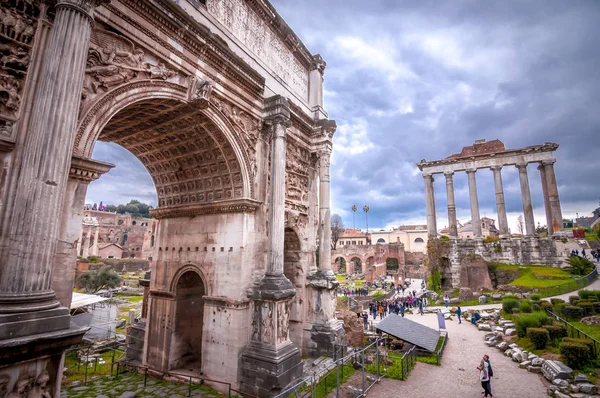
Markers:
<point>553,198</point>
<point>324,210</point>
<point>452,224</point>
<point>500,204</point>
<point>430,205</point>
<point>526,196</point>
<point>474,202</point>
<point>547,207</point>
<point>41,183</point>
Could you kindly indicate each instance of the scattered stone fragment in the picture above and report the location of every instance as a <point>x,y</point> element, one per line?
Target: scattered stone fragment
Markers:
<point>581,378</point>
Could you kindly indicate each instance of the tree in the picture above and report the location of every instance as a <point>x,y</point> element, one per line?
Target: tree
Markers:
<point>104,278</point>
<point>520,224</point>
<point>541,229</point>
<point>337,227</point>
<point>579,265</point>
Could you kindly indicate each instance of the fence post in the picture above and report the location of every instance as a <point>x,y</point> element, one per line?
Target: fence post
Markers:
<point>190,388</point>
<point>337,384</point>
<point>145,376</point>
<point>87,357</point>
<point>377,356</point>
<point>363,370</point>
<point>117,374</point>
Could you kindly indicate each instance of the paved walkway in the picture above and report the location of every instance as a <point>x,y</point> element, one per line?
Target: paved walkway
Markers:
<point>457,376</point>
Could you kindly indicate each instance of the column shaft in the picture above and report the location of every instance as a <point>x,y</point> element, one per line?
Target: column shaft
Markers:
<point>41,183</point>
<point>547,207</point>
<point>95,247</point>
<point>86,243</point>
<point>526,195</point>
<point>553,198</point>
<point>430,206</point>
<point>324,211</point>
<point>500,204</point>
<point>277,207</point>
<point>474,201</point>
<point>452,224</point>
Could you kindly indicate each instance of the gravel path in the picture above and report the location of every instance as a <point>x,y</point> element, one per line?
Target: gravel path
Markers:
<point>457,376</point>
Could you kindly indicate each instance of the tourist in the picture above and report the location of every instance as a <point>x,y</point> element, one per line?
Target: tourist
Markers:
<point>475,317</point>
<point>583,253</point>
<point>446,300</point>
<point>485,380</point>
<point>380,311</point>
<point>458,314</point>
<point>488,366</point>
<point>420,306</point>
<point>366,320</point>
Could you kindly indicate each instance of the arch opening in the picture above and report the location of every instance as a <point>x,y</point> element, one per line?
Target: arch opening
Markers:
<point>341,265</point>
<point>391,264</point>
<point>186,337</point>
<point>356,264</point>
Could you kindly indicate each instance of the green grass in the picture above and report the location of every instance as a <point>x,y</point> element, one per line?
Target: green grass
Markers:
<point>328,383</point>
<point>75,372</point>
<point>592,330</point>
<point>532,276</point>
<point>341,278</point>
<point>393,371</point>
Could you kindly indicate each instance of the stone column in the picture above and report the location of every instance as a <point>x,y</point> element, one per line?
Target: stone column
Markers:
<point>324,211</point>
<point>547,207</point>
<point>474,201</point>
<point>452,224</point>
<point>526,196</point>
<point>315,87</point>
<point>78,253</point>
<point>87,238</point>
<point>553,198</point>
<point>270,360</point>
<point>33,228</point>
<point>500,204</point>
<point>95,245</point>
<point>430,206</point>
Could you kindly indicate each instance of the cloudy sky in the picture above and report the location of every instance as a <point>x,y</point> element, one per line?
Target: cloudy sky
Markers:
<point>408,80</point>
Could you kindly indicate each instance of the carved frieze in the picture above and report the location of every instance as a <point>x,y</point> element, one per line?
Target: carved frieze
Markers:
<point>245,126</point>
<point>18,21</point>
<point>27,380</point>
<point>260,38</point>
<point>199,91</point>
<point>114,60</point>
<point>297,177</point>
<point>283,321</point>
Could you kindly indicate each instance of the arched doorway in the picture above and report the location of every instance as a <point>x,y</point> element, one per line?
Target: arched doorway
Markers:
<point>341,265</point>
<point>391,264</point>
<point>356,265</point>
<point>445,273</point>
<point>186,338</point>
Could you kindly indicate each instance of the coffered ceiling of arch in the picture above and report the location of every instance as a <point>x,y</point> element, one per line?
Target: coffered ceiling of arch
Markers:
<point>189,158</point>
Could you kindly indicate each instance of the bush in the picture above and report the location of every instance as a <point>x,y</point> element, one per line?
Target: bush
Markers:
<point>593,299</point>
<point>588,307</point>
<point>515,310</point>
<point>377,295</point>
<point>587,342</point>
<point>559,308</point>
<point>534,320</point>
<point>509,303</point>
<point>572,312</point>
<point>104,278</point>
<point>546,305</point>
<point>490,239</point>
<point>596,305</point>
<point>539,337</point>
<point>536,297</point>
<point>573,300</point>
<point>586,294</point>
<point>444,238</point>
<point>579,265</point>
<point>536,307</point>
<point>556,331</point>
<point>575,354</point>
<point>555,301</point>
<point>93,259</point>
<point>525,307</point>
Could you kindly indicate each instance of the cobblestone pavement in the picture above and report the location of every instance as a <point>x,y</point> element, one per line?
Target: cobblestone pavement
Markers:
<point>457,376</point>
<point>132,385</point>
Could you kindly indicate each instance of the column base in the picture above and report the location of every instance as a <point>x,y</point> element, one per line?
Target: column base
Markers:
<point>274,287</point>
<point>327,338</point>
<point>266,371</point>
<point>22,324</point>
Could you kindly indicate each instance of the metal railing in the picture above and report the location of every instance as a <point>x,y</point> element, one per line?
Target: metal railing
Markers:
<point>569,286</point>
<point>438,354</point>
<point>573,331</point>
<point>408,362</point>
<point>334,375</point>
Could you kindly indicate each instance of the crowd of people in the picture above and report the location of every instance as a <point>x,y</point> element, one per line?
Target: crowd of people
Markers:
<point>594,253</point>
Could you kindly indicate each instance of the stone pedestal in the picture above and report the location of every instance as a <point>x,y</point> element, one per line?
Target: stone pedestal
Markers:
<point>326,332</point>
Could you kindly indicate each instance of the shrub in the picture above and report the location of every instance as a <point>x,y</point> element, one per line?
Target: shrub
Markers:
<point>525,306</point>
<point>586,294</point>
<point>593,299</point>
<point>539,337</point>
<point>596,305</point>
<point>579,265</point>
<point>515,310</point>
<point>587,342</point>
<point>556,331</point>
<point>575,354</point>
<point>559,308</point>
<point>93,259</point>
<point>573,300</point>
<point>509,303</point>
<point>536,297</point>
<point>536,307</point>
<point>588,307</point>
<point>534,320</point>
<point>377,295</point>
<point>444,238</point>
<point>490,239</point>
<point>555,301</point>
<point>546,305</point>
<point>572,312</point>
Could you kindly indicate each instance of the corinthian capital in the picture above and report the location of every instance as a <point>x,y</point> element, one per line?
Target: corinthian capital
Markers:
<point>277,111</point>
<point>325,129</point>
<point>324,155</point>
<point>86,7</point>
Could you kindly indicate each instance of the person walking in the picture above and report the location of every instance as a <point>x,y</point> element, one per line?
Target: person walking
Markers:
<point>458,314</point>
<point>488,366</point>
<point>446,300</point>
<point>484,378</point>
<point>420,306</point>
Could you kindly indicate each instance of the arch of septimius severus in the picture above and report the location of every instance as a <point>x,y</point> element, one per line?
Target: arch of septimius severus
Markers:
<point>223,104</point>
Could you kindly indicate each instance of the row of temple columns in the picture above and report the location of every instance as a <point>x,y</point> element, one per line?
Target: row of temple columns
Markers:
<point>549,190</point>
<point>84,240</point>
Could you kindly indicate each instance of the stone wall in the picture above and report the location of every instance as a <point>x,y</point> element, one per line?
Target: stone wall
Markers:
<point>121,265</point>
<point>414,258</point>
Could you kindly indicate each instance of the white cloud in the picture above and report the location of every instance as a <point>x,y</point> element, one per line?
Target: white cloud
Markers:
<point>351,139</point>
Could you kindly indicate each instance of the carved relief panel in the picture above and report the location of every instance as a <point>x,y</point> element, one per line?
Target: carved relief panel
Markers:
<point>19,20</point>
<point>297,177</point>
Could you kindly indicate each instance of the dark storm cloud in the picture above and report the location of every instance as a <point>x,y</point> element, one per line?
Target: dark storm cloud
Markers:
<point>408,80</point>
<point>413,80</point>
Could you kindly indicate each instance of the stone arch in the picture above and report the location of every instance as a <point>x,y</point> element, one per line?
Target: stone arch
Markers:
<point>188,268</point>
<point>208,124</point>
<point>341,265</point>
<point>186,335</point>
<point>355,264</point>
<point>370,261</point>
